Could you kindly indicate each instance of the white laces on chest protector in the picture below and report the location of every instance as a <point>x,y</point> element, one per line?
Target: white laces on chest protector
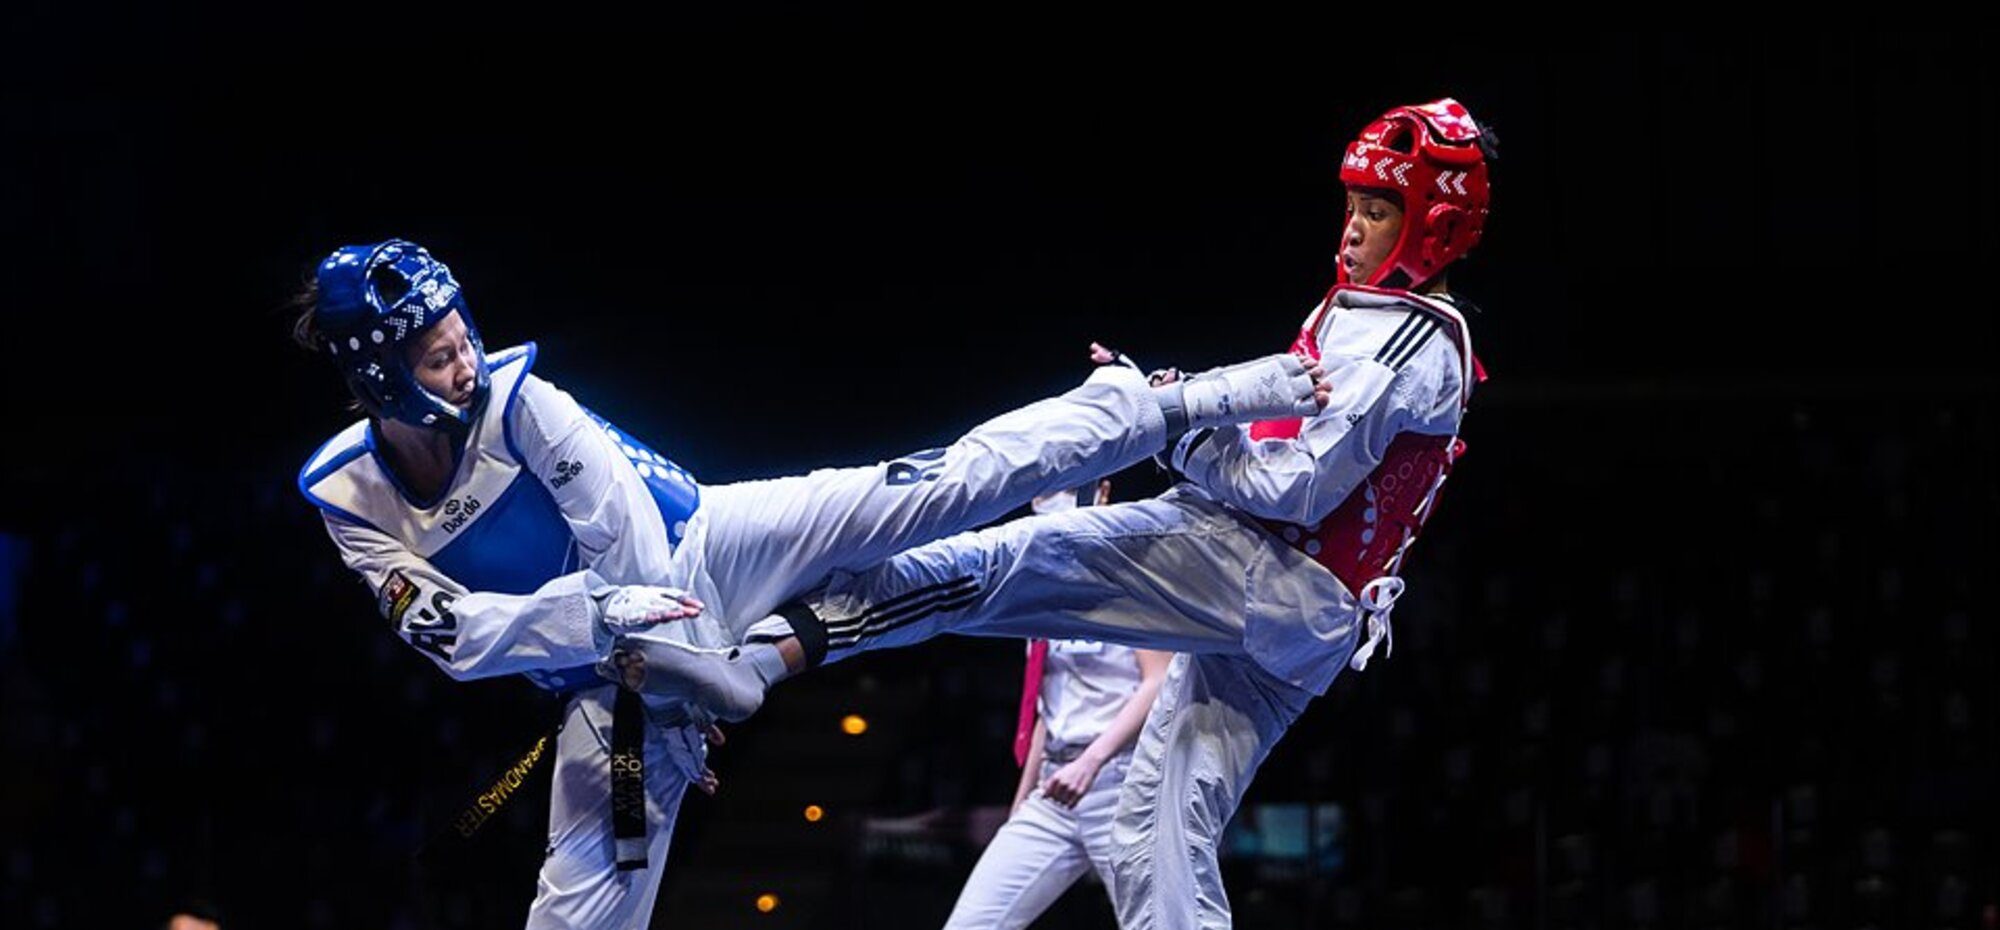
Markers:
<point>1377,599</point>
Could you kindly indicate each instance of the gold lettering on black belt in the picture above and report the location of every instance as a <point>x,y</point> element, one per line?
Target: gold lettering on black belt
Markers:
<point>628,780</point>
<point>490,801</point>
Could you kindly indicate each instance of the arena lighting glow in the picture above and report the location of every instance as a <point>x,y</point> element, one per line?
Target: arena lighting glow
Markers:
<point>766,903</point>
<point>813,813</point>
<point>853,725</point>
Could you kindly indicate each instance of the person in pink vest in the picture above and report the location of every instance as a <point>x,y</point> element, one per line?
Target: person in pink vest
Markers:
<point>1082,705</point>
<point>1275,562</point>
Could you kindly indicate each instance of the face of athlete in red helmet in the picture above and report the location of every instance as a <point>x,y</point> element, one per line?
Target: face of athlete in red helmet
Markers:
<point>1428,163</point>
<point>1373,223</point>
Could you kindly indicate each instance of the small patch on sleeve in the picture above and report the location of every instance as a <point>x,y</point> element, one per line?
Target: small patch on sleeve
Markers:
<point>398,593</point>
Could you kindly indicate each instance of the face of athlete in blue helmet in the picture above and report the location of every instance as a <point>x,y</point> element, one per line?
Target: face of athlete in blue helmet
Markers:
<point>444,361</point>
<point>396,324</point>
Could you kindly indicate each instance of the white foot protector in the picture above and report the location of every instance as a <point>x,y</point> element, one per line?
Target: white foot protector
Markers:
<point>727,683</point>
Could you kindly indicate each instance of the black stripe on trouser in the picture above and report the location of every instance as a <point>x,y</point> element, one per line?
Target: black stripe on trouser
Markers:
<point>628,780</point>
<point>905,609</point>
<point>872,620</point>
<point>942,606</point>
<point>846,625</point>
<point>1402,332</point>
<point>1409,352</point>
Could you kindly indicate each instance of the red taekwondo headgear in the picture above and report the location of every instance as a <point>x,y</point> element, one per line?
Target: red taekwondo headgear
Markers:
<point>1430,156</point>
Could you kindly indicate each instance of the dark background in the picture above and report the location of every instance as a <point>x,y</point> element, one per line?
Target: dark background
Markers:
<point>1699,641</point>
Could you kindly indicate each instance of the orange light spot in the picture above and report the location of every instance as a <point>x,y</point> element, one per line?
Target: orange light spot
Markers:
<point>853,725</point>
<point>766,903</point>
<point>814,813</point>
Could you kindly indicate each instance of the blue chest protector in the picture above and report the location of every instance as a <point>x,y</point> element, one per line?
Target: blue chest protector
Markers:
<point>495,527</point>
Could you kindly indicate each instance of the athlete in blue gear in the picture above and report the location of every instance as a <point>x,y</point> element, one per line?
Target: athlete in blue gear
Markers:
<point>503,528</point>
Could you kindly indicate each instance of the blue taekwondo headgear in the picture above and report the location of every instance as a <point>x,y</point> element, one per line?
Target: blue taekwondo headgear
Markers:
<point>374,299</point>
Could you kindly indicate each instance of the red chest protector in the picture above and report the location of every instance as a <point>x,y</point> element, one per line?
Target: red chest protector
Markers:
<point>1366,536</point>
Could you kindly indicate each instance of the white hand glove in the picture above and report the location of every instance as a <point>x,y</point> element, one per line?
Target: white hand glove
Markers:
<point>635,607</point>
<point>1275,385</point>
